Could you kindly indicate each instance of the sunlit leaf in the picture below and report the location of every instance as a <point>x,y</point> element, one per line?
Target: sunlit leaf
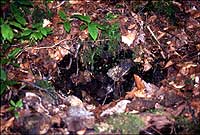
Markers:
<point>67,26</point>
<point>26,32</point>
<point>3,75</point>
<point>34,36</point>
<point>93,31</point>
<point>62,15</point>
<point>37,25</point>
<point>20,20</point>
<point>16,114</point>
<point>83,18</point>
<point>11,108</point>
<point>39,35</point>
<point>7,32</point>
<point>43,31</point>
<point>19,103</point>
<point>12,103</point>
<point>14,52</point>
<point>18,25</point>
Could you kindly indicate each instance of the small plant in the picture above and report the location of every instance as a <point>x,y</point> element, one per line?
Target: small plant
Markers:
<point>38,32</point>
<point>45,85</point>
<point>14,25</point>
<point>110,16</point>
<point>9,59</point>
<point>13,21</point>
<point>14,106</point>
<point>92,26</point>
<point>65,21</point>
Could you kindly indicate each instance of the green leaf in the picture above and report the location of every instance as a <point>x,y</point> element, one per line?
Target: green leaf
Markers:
<point>7,32</point>
<point>83,18</point>
<point>14,53</point>
<point>19,103</point>
<point>15,10</point>
<point>4,61</point>
<point>12,103</point>
<point>110,16</point>
<point>11,108</point>
<point>34,36</point>
<point>83,27</point>
<point>3,87</point>
<point>20,19</point>
<point>37,25</point>
<point>93,31</point>
<point>1,21</point>
<point>26,32</point>
<point>18,25</point>
<point>39,35</point>
<point>25,2</point>
<point>43,31</point>
<point>15,64</point>
<point>62,15</point>
<point>49,30</point>
<point>11,82</point>
<point>101,27</point>
<point>16,114</point>
<point>3,75</point>
<point>67,26</point>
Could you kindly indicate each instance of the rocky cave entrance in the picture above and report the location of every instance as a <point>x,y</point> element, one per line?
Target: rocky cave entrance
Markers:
<point>99,74</point>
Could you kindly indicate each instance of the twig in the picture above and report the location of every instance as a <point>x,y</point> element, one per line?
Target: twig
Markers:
<point>47,47</point>
<point>153,34</point>
<point>59,4</point>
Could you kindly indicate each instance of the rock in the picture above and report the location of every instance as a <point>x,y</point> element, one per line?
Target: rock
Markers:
<point>35,123</point>
<point>120,107</point>
<point>79,118</point>
<point>74,101</point>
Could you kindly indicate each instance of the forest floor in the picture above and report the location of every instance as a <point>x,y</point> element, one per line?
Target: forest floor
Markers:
<point>140,76</point>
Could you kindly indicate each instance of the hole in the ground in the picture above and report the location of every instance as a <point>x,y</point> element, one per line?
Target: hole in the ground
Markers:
<point>109,79</point>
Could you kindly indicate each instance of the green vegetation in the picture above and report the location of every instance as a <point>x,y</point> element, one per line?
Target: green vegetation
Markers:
<point>164,7</point>
<point>14,106</point>
<point>8,60</point>
<point>186,126</point>
<point>93,27</point>
<point>65,21</point>
<point>109,47</point>
<point>123,124</point>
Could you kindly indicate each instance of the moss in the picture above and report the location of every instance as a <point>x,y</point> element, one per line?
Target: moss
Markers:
<point>123,124</point>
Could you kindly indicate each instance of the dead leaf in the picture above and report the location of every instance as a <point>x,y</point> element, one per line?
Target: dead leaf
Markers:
<point>137,91</point>
<point>6,124</point>
<point>147,66</point>
<point>138,82</point>
<point>129,38</point>
<point>3,110</point>
<point>169,63</point>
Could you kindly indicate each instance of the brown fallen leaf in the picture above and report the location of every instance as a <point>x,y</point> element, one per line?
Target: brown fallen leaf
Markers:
<point>6,124</point>
<point>169,63</point>
<point>138,81</point>
<point>137,91</point>
<point>129,38</point>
